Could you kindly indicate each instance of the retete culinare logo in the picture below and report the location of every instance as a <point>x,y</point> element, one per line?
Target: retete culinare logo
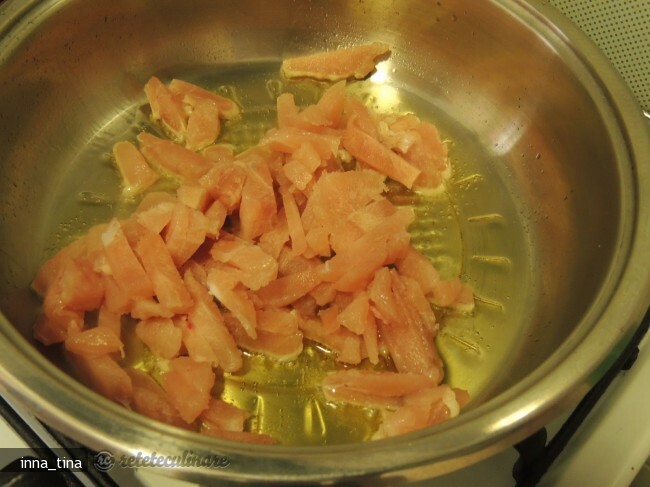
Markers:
<point>105,460</point>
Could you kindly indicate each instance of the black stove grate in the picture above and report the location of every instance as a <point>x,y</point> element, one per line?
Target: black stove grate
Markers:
<point>535,455</point>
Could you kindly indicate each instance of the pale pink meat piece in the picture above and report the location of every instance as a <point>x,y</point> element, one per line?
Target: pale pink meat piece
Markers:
<point>136,173</point>
<point>166,107</point>
<point>353,62</point>
<point>188,385</point>
<point>172,158</point>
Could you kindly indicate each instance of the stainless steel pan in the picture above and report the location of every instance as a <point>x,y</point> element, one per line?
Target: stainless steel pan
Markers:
<point>548,215</point>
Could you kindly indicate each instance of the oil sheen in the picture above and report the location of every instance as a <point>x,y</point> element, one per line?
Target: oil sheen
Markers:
<point>470,229</point>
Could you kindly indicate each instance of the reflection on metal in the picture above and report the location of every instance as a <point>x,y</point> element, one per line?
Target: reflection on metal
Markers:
<point>505,139</point>
<point>487,218</point>
<point>489,302</point>
<point>516,417</point>
<point>258,415</point>
<point>468,180</point>
<point>381,76</point>
<point>493,259</point>
<point>314,420</point>
<point>466,344</point>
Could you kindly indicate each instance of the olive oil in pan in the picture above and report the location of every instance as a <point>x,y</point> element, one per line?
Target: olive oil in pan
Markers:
<point>471,229</point>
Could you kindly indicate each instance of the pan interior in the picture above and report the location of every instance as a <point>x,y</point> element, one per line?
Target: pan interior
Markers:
<point>530,217</point>
<point>470,230</point>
